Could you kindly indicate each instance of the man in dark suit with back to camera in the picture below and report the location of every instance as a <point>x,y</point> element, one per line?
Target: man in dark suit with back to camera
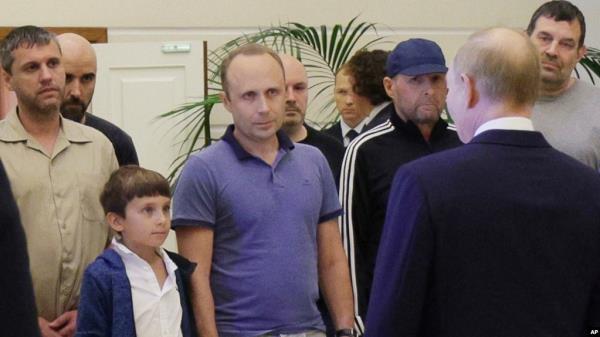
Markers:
<point>498,237</point>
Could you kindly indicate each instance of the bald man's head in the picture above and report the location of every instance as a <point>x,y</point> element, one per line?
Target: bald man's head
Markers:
<point>79,60</point>
<point>296,83</point>
<point>504,63</point>
<point>495,74</point>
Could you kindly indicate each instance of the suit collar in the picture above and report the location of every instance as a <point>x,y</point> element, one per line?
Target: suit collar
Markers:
<point>506,123</point>
<point>358,128</point>
<point>511,137</point>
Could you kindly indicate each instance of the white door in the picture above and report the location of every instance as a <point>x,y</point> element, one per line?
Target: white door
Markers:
<point>136,82</point>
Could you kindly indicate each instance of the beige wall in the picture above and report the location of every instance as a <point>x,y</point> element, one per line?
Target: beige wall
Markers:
<point>446,21</point>
<point>244,13</point>
<point>591,11</point>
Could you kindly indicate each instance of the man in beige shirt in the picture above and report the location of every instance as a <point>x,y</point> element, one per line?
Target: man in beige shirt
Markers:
<point>57,169</point>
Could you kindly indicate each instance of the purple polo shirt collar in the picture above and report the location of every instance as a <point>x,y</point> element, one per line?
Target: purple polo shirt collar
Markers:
<point>285,143</point>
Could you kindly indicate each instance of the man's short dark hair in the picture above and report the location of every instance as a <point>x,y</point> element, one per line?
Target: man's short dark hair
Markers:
<point>368,70</point>
<point>248,50</point>
<point>23,37</point>
<point>559,10</point>
<point>129,182</point>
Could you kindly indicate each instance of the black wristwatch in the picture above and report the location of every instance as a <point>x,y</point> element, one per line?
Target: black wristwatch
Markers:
<point>345,333</point>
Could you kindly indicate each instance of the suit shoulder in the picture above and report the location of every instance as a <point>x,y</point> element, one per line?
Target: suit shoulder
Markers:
<point>442,161</point>
<point>584,172</point>
<point>333,130</point>
<point>107,128</point>
<point>80,130</point>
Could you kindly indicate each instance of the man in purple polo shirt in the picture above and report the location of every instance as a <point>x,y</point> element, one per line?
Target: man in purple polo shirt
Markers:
<point>259,216</point>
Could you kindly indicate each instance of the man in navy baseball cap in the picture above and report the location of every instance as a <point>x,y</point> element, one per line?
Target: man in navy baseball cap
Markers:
<point>416,57</point>
<point>416,82</point>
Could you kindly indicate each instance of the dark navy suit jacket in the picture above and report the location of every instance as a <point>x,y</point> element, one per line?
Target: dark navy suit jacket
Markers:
<point>18,314</point>
<point>121,141</point>
<point>500,237</point>
<point>335,131</point>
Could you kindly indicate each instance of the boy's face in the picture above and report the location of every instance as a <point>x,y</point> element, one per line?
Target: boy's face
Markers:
<point>146,224</point>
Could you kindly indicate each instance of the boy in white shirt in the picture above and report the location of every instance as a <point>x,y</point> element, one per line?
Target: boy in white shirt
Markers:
<point>136,288</point>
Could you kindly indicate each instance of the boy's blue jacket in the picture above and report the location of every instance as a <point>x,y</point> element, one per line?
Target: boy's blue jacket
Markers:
<point>106,309</point>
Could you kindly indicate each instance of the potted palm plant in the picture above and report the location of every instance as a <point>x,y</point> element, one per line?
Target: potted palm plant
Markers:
<point>591,64</point>
<point>323,50</point>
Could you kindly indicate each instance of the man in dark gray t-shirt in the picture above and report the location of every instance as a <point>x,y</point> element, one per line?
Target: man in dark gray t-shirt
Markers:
<point>567,111</point>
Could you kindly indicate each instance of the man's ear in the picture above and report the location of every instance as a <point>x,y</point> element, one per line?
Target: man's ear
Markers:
<point>387,85</point>
<point>471,92</point>
<point>581,52</point>
<point>115,221</point>
<point>6,77</point>
<point>225,100</point>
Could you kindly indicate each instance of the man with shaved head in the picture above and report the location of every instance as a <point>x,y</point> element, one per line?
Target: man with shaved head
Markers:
<point>498,237</point>
<point>258,213</point>
<point>79,59</point>
<point>296,102</point>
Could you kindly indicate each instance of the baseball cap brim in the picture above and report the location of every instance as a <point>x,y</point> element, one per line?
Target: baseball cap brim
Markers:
<point>423,69</point>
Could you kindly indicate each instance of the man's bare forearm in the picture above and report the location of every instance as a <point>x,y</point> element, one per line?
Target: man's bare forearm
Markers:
<point>204,306</point>
<point>334,276</point>
<point>195,243</point>
<point>335,285</point>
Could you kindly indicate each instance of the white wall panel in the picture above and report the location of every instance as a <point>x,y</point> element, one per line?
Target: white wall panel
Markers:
<point>216,14</point>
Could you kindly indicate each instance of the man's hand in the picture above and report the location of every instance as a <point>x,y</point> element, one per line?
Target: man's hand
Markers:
<point>45,328</point>
<point>65,324</point>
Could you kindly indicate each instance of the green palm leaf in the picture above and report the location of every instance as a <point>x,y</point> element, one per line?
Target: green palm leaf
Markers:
<point>323,50</point>
<point>591,63</point>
